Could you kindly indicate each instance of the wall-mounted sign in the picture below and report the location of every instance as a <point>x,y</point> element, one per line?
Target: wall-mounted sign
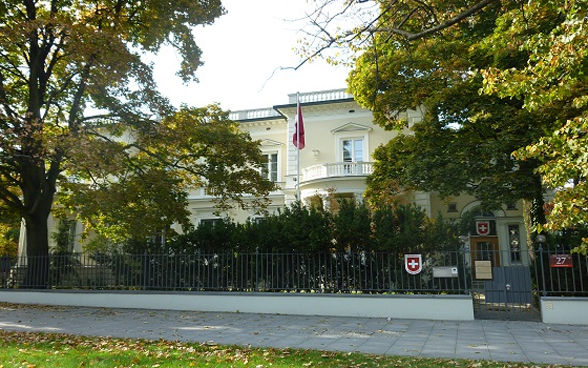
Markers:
<point>483,228</point>
<point>413,263</point>
<point>560,260</point>
<point>483,270</point>
<point>446,271</point>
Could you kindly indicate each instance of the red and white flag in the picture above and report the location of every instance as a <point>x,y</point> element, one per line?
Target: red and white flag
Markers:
<point>298,138</point>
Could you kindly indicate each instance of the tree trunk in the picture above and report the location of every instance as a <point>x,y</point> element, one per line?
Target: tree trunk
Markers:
<point>37,271</point>
<point>38,199</point>
<point>533,214</point>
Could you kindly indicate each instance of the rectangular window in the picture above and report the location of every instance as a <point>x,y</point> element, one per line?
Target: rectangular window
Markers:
<point>210,222</point>
<point>259,220</point>
<point>484,251</point>
<point>270,166</point>
<point>353,150</point>
<point>514,240</point>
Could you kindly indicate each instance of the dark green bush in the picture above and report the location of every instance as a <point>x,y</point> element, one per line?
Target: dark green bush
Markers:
<point>351,226</point>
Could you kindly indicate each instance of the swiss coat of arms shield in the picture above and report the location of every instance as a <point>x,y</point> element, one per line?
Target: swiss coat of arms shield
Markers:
<point>413,263</point>
<point>483,227</point>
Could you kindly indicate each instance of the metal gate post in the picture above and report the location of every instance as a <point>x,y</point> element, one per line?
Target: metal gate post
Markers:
<point>506,288</point>
<point>464,268</point>
<point>544,291</point>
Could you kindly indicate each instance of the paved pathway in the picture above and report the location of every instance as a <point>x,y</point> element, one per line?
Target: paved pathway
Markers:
<point>489,340</point>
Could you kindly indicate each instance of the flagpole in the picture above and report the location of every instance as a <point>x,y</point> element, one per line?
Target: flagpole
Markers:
<point>297,148</point>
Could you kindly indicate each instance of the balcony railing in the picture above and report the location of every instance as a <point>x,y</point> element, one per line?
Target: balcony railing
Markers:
<point>321,96</point>
<point>337,169</point>
<point>254,114</point>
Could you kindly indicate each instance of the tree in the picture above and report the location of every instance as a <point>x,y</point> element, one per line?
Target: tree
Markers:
<point>345,25</point>
<point>148,176</point>
<point>464,143</point>
<point>351,226</point>
<point>432,55</point>
<point>528,60</point>
<point>535,56</point>
<point>551,82</point>
<point>77,101</point>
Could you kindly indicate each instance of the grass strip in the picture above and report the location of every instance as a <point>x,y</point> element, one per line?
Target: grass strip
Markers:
<point>30,350</point>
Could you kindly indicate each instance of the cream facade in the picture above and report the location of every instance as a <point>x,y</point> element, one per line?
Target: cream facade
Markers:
<point>338,157</point>
<point>340,141</point>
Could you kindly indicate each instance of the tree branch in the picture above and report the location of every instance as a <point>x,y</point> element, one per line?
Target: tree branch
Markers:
<point>409,36</point>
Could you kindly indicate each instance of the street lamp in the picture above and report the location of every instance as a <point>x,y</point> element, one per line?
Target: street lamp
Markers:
<point>541,238</point>
<point>463,239</point>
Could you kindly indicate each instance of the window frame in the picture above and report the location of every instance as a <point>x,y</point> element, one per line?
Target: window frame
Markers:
<point>265,171</point>
<point>341,138</point>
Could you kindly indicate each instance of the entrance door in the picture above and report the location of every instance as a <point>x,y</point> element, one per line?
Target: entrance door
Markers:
<point>485,249</point>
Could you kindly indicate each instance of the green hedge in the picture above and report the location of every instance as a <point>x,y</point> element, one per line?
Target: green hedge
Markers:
<point>351,226</point>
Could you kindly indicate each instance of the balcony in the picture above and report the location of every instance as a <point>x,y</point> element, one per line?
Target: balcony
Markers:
<point>252,114</point>
<point>320,96</point>
<point>337,170</point>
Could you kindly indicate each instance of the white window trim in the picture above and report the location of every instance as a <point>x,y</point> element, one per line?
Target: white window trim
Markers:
<point>348,136</point>
<point>278,159</point>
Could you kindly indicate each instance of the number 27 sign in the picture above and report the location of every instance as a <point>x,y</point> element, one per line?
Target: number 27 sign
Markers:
<point>560,260</point>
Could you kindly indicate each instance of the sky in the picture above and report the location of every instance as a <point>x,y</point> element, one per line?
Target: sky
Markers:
<point>241,50</point>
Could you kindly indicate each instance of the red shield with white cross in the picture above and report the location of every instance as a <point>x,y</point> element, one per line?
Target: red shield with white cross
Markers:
<point>483,227</point>
<point>413,263</point>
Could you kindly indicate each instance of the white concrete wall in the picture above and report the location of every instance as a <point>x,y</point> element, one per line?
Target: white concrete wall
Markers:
<point>429,307</point>
<point>564,310</point>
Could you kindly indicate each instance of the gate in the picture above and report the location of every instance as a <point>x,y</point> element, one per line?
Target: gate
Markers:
<point>506,294</point>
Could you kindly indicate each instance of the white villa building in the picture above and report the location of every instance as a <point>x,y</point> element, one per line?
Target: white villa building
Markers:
<point>340,141</point>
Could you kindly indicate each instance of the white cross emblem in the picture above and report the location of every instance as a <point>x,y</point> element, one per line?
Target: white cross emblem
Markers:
<point>413,263</point>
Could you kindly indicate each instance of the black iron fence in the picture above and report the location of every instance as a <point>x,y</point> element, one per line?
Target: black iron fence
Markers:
<point>552,272</point>
<point>559,272</point>
<point>277,272</point>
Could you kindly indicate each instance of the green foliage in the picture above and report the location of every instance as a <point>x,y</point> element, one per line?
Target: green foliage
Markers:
<point>399,228</point>
<point>551,82</point>
<point>294,229</point>
<point>78,102</point>
<point>9,231</point>
<point>8,240</point>
<point>149,178</point>
<point>219,236</point>
<point>464,143</point>
<point>351,227</point>
<point>63,237</point>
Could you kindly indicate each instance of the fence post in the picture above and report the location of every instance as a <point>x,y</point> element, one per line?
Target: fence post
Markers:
<point>256,282</point>
<point>541,240</point>
<point>463,239</point>
<point>145,270</point>
<point>464,268</point>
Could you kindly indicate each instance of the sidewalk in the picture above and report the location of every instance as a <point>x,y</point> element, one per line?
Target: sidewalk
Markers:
<point>534,342</point>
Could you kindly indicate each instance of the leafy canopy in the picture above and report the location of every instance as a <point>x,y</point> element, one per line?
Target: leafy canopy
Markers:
<point>465,141</point>
<point>552,82</point>
<point>149,176</point>
<point>80,113</point>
